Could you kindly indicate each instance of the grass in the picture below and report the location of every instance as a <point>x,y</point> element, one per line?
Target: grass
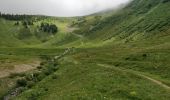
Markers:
<point>135,39</point>
<point>95,83</point>
<point>18,56</point>
<point>80,77</point>
<point>18,36</point>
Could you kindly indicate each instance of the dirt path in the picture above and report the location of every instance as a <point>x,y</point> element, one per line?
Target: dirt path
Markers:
<point>19,69</point>
<point>138,74</point>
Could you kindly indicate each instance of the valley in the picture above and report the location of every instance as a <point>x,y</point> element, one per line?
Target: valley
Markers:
<point>123,55</point>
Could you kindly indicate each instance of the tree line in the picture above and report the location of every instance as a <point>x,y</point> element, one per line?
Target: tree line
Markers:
<point>28,20</point>
<point>15,17</point>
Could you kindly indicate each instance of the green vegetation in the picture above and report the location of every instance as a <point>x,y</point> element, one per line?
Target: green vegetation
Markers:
<point>48,28</point>
<point>123,55</point>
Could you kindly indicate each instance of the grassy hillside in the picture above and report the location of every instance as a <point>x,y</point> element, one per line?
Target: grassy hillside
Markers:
<point>30,36</point>
<point>123,55</point>
<point>6,36</point>
<point>120,72</point>
<point>141,19</point>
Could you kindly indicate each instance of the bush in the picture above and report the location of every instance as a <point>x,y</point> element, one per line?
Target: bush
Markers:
<point>144,55</point>
<point>47,72</point>
<point>55,64</point>
<point>54,76</point>
<point>49,69</point>
<point>16,23</point>
<point>39,67</point>
<point>21,82</point>
<point>40,77</point>
<point>45,89</point>
<point>42,63</point>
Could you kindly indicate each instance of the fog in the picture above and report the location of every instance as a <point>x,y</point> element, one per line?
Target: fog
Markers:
<point>64,8</point>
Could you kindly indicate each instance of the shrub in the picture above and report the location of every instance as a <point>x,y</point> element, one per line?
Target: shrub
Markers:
<point>42,63</point>
<point>144,55</point>
<point>16,23</point>
<point>41,76</point>
<point>127,58</point>
<point>39,67</point>
<point>45,89</point>
<point>54,76</point>
<point>47,72</point>
<point>55,64</point>
<point>21,82</point>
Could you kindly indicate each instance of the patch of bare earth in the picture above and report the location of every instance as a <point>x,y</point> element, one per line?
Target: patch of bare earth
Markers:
<point>19,69</point>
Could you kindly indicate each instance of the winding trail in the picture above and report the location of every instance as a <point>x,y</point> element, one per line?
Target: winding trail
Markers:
<point>138,74</point>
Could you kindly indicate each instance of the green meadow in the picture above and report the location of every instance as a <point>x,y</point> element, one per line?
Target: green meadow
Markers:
<point>123,55</point>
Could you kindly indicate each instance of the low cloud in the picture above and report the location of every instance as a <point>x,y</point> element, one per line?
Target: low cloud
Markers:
<point>65,8</point>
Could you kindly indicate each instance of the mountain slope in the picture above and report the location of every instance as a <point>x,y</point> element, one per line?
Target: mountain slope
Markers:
<point>125,56</point>
<point>6,35</point>
<point>13,35</point>
<point>141,19</point>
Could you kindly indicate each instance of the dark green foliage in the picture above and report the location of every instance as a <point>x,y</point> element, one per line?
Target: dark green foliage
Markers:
<point>15,17</point>
<point>39,67</point>
<point>27,22</point>
<point>164,1</point>
<point>54,76</point>
<point>16,23</point>
<point>24,23</point>
<point>50,28</point>
<point>53,28</point>
<point>21,82</point>
<point>50,68</point>
<point>144,55</point>
<point>47,68</point>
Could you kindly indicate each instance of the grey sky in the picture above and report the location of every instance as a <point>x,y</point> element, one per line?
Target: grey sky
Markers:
<point>59,7</point>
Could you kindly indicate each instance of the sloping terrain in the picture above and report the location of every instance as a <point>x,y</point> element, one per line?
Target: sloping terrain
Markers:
<point>142,19</point>
<point>20,35</point>
<point>124,55</point>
